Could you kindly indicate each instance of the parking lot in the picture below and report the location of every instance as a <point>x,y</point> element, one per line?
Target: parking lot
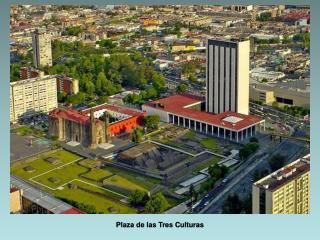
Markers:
<point>25,146</point>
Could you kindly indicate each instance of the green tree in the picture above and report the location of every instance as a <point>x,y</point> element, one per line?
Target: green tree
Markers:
<point>157,203</point>
<point>249,149</point>
<point>77,98</point>
<point>277,162</point>
<point>138,198</point>
<point>151,93</point>
<point>266,16</point>
<point>158,81</point>
<point>214,171</point>
<point>151,122</point>
<point>89,87</point>
<point>62,96</point>
<point>260,174</point>
<point>107,43</point>
<point>104,86</point>
<point>136,135</point>
<point>182,88</point>
<point>136,56</point>
<point>247,205</point>
<point>102,99</point>
<point>254,140</point>
<point>232,205</point>
<point>14,72</point>
<point>192,78</point>
<point>189,68</point>
<point>286,39</point>
<point>193,193</point>
<point>73,30</point>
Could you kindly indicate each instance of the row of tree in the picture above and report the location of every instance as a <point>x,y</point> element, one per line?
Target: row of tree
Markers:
<point>234,205</point>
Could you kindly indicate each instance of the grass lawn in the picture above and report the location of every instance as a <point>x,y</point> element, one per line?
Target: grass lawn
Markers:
<point>206,164</point>
<point>24,130</point>
<point>124,183</point>
<point>211,144</point>
<point>143,181</point>
<point>97,174</point>
<point>101,204</point>
<point>64,175</point>
<point>41,166</point>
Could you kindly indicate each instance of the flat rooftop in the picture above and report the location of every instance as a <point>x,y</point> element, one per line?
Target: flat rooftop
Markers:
<point>284,175</point>
<point>114,108</point>
<point>32,80</point>
<point>179,105</point>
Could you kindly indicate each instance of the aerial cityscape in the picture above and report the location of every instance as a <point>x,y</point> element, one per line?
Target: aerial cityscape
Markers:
<point>173,109</point>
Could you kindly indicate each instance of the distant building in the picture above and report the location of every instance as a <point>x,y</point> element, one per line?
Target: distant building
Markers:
<point>67,84</point>
<point>282,95</point>
<point>41,44</point>
<point>240,8</point>
<point>263,96</point>
<point>182,48</point>
<point>30,72</point>
<point>92,127</point>
<point>228,76</point>
<point>285,191</point>
<point>32,96</point>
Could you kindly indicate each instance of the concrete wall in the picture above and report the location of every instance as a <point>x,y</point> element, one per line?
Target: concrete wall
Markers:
<point>152,111</point>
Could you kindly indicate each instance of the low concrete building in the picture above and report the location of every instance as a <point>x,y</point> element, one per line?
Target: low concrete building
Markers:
<point>260,95</point>
<point>185,110</point>
<point>282,95</point>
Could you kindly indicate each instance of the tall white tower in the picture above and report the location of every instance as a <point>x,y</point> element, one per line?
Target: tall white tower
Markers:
<point>228,76</point>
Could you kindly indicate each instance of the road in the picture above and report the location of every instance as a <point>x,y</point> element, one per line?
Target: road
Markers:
<point>242,182</point>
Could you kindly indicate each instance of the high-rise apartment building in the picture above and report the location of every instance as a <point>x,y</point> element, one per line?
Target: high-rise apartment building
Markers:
<point>67,84</point>
<point>31,96</point>
<point>228,76</point>
<point>41,44</point>
<point>285,191</point>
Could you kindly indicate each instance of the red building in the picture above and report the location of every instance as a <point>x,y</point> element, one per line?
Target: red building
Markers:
<point>126,119</point>
<point>93,126</point>
<point>30,72</point>
<point>67,84</point>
